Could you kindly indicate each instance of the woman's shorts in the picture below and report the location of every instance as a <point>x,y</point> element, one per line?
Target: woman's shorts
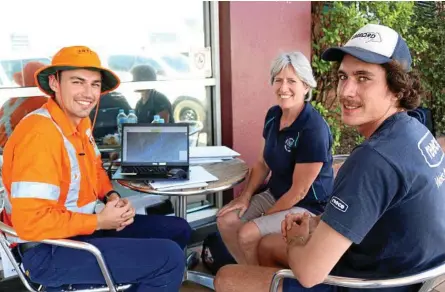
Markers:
<point>269,224</point>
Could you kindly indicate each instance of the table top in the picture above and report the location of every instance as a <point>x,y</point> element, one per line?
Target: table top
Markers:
<point>229,174</point>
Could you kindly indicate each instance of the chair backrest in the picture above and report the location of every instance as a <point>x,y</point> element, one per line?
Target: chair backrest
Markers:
<point>428,278</point>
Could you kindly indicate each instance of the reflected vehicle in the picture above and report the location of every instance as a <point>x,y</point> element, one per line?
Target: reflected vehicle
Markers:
<point>188,101</point>
<point>167,66</point>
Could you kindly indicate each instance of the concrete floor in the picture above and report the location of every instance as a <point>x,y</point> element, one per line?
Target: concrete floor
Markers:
<point>16,286</point>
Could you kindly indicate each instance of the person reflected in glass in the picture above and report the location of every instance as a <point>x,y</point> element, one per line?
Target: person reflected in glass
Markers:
<point>109,105</point>
<point>152,102</point>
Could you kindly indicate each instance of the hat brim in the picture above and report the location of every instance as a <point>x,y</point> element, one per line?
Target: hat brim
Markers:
<point>110,81</point>
<point>337,54</point>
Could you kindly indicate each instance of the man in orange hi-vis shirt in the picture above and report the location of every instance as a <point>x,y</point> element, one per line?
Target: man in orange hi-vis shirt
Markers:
<point>14,109</point>
<point>53,174</point>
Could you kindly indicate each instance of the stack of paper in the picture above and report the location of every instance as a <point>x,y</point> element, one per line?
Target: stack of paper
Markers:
<point>198,178</point>
<point>211,154</point>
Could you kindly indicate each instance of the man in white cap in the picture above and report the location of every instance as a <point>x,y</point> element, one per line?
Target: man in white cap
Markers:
<point>385,216</point>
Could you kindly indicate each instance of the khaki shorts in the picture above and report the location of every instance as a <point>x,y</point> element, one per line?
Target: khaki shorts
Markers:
<point>259,204</point>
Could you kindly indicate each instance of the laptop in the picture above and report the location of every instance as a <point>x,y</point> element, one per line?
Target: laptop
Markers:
<point>154,151</point>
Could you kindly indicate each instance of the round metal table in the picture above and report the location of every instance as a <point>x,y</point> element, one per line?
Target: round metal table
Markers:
<point>229,173</point>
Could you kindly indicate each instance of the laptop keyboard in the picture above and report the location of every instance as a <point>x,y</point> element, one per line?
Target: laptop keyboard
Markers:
<point>144,170</point>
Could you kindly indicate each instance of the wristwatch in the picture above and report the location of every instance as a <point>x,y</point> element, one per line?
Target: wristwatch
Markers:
<point>109,194</point>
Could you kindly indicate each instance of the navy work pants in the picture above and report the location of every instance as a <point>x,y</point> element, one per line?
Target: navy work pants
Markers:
<point>148,254</point>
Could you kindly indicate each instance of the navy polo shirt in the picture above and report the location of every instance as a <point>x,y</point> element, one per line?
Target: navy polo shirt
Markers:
<point>389,200</point>
<point>308,139</point>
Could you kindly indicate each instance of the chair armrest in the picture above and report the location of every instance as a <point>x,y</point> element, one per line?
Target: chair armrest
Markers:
<point>366,283</point>
<point>75,245</point>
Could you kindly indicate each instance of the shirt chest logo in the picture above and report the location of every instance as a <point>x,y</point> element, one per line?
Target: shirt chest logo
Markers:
<point>90,137</point>
<point>291,143</point>
<point>288,144</point>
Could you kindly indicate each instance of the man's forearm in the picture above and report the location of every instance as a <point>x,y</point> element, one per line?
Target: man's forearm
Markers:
<point>296,253</point>
<point>257,176</point>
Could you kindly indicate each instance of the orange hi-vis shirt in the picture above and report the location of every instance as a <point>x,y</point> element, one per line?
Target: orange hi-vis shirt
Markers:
<point>53,175</point>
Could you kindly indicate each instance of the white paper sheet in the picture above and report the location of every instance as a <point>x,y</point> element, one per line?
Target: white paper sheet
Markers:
<point>195,161</point>
<point>188,186</point>
<point>212,152</point>
<point>197,175</point>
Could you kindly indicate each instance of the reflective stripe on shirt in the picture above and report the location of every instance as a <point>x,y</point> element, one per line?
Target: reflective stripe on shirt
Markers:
<point>36,190</point>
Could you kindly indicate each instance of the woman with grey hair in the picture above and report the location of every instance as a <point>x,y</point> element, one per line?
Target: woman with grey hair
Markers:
<point>295,151</point>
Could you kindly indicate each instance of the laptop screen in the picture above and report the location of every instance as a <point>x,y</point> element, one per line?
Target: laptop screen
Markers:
<point>155,144</point>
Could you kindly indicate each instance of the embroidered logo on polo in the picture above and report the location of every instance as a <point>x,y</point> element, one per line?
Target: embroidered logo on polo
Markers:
<point>289,144</point>
<point>90,137</point>
<point>92,142</point>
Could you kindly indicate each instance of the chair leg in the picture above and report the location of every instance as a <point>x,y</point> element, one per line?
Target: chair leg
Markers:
<point>4,244</point>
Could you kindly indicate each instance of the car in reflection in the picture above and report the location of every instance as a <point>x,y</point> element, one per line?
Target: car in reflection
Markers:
<point>188,100</point>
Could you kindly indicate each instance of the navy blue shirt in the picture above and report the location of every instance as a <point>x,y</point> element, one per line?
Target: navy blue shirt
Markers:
<point>308,139</point>
<point>389,200</point>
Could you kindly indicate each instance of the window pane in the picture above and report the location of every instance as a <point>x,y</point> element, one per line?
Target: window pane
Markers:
<point>181,103</point>
<point>124,36</point>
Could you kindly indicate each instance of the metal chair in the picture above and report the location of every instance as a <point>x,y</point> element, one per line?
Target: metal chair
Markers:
<point>427,277</point>
<point>6,230</point>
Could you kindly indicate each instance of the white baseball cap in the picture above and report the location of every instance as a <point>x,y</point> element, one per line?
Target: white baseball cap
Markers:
<point>373,43</point>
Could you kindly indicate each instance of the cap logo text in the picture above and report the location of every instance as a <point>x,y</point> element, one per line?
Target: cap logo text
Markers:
<point>368,36</point>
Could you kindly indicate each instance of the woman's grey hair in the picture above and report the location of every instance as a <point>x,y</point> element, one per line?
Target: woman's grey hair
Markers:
<point>300,64</point>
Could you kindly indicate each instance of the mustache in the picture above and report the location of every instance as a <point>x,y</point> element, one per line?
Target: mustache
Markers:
<point>348,102</point>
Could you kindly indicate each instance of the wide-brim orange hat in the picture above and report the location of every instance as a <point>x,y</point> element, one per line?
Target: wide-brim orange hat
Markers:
<point>72,58</point>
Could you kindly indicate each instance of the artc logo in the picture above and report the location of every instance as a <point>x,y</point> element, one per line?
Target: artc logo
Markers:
<point>430,150</point>
<point>339,204</point>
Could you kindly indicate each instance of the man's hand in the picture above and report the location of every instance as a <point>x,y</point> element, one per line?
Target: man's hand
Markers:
<point>298,226</point>
<point>291,218</point>
<point>129,215</point>
<point>241,203</point>
<point>112,197</point>
<point>112,217</point>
